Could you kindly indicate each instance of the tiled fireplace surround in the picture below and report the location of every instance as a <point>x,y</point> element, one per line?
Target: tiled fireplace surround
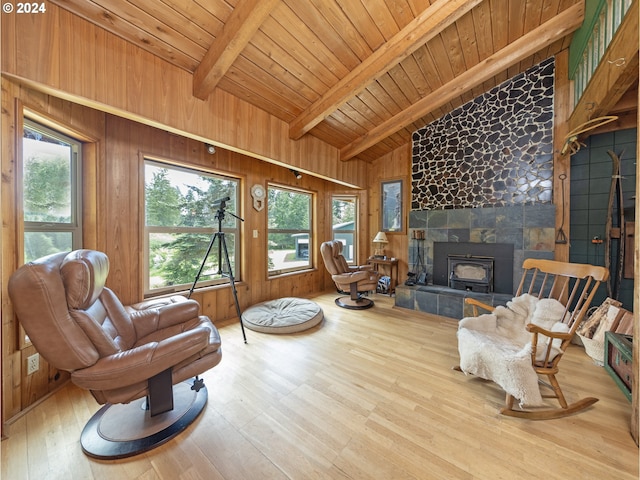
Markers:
<point>483,174</point>
<point>530,228</point>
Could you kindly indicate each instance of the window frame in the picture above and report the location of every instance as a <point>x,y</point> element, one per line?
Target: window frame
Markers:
<point>354,232</point>
<point>74,226</point>
<point>310,232</point>
<point>210,230</point>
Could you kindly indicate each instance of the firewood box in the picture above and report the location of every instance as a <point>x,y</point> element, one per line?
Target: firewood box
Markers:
<point>618,360</point>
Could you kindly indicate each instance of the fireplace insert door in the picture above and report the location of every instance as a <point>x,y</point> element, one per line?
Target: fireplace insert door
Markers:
<point>471,273</point>
<point>502,254</point>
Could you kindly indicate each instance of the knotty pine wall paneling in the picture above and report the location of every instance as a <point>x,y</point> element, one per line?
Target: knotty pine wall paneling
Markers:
<point>392,166</point>
<point>127,144</point>
<point>11,361</point>
<point>123,215</point>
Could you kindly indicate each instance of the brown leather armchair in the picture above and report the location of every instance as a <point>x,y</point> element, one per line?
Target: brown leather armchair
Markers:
<point>140,355</point>
<point>356,280</point>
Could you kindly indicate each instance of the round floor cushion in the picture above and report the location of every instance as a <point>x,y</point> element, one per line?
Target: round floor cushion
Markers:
<point>282,315</point>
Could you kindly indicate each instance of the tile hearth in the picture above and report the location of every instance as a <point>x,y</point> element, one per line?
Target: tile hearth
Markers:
<point>444,301</point>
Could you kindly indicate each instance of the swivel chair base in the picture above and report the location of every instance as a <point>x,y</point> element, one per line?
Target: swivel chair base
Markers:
<point>125,430</point>
<point>354,301</point>
<point>359,304</point>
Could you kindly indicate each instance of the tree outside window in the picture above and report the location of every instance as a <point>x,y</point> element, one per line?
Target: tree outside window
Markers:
<point>289,237</point>
<point>182,214</point>
<point>51,192</point>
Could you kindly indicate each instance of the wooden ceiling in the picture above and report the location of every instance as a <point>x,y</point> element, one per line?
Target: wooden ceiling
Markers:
<point>361,75</point>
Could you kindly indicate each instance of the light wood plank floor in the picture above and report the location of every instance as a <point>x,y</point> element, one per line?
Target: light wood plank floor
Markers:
<point>366,395</point>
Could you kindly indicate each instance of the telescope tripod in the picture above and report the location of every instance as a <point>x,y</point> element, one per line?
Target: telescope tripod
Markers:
<point>223,254</point>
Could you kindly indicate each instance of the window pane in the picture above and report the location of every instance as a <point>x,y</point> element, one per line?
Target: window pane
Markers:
<point>289,210</point>
<point>348,243</point>
<point>184,209</point>
<point>344,214</point>
<point>40,244</point>
<point>288,251</point>
<point>289,234</point>
<point>47,178</point>
<point>51,170</point>
<point>175,258</point>
<point>177,197</point>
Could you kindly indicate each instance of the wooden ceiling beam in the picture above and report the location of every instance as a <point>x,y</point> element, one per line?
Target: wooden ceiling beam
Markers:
<point>424,27</point>
<point>562,24</point>
<point>244,22</point>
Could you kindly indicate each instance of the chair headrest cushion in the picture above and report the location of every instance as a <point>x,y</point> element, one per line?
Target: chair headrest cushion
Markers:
<point>84,273</point>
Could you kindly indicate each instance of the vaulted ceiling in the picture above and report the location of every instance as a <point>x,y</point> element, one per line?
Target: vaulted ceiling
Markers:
<point>361,75</point>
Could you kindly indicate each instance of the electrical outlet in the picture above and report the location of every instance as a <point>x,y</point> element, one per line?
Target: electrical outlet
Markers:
<point>33,363</point>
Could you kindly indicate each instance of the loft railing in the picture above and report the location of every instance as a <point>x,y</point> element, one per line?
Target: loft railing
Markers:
<point>602,19</point>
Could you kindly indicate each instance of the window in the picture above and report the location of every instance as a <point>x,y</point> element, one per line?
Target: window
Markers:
<point>289,238</point>
<point>51,198</point>
<point>345,224</point>
<point>183,212</point>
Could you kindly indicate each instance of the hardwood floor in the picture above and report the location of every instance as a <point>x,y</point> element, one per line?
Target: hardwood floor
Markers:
<point>366,395</point>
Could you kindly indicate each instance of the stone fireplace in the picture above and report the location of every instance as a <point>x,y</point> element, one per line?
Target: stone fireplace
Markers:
<point>496,150</point>
<point>482,176</point>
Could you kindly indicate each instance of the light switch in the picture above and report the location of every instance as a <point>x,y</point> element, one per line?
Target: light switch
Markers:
<point>255,234</point>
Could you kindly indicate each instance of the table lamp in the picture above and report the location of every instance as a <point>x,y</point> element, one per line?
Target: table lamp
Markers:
<point>379,241</point>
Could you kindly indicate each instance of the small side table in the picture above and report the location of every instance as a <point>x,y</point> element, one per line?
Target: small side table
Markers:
<point>391,264</point>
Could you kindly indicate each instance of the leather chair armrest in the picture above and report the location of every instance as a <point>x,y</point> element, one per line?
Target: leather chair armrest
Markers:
<point>351,277</point>
<point>151,320</point>
<point>140,363</point>
<point>360,268</point>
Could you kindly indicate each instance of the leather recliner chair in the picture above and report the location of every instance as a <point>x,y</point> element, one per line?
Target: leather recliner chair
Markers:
<point>356,280</point>
<point>121,354</point>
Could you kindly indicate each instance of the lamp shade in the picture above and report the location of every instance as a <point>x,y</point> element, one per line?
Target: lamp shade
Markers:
<point>381,237</point>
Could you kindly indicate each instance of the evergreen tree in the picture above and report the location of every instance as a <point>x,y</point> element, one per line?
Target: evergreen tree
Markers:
<point>178,259</point>
<point>47,187</point>
<point>287,211</point>
<point>343,211</point>
<point>163,201</point>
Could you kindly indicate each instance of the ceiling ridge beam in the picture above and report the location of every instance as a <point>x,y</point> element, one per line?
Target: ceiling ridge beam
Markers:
<point>562,24</point>
<point>433,20</point>
<point>238,30</point>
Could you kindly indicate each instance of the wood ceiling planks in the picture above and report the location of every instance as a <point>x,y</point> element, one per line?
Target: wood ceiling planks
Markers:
<point>298,60</point>
<point>514,52</point>
<point>423,28</point>
<point>244,22</point>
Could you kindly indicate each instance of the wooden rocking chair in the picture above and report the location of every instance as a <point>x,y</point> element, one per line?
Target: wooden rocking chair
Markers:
<point>574,286</point>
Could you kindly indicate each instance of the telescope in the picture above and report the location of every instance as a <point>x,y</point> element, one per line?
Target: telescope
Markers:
<point>221,201</point>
